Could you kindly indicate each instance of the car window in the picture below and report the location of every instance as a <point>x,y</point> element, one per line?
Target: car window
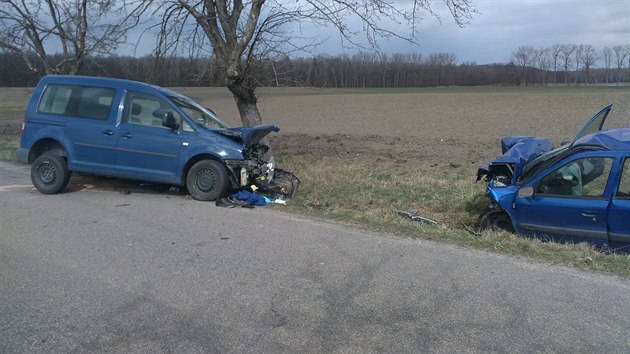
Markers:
<point>585,177</point>
<point>198,113</point>
<point>74,100</point>
<point>623,191</point>
<point>147,110</point>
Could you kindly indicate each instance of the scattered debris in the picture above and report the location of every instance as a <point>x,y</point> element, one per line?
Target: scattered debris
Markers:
<point>412,214</point>
<point>283,186</point>
<point>474,232</point>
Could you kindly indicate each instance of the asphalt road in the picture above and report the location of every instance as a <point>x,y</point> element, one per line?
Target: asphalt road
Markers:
<point>95,270</point>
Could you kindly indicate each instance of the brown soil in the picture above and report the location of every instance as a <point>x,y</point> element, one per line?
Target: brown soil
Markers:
<point>430,129</point>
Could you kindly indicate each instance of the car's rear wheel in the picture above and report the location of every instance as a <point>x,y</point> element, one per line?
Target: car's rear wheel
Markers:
<point>496,220</point>
<point>50,174</point>
<point>207,180</point>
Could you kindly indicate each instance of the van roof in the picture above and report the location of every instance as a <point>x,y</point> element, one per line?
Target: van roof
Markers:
<point>105,81</point>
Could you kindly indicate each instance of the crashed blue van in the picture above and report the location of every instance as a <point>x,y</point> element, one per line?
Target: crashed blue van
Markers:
<point>131,130</point>
<point>578,192</point>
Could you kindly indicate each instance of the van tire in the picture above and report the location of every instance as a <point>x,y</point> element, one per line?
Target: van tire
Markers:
<point>49,174</point>
<point>207,180</point>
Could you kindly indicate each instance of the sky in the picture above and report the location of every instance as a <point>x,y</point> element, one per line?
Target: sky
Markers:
<point>501,26</point>
<point>495,32</point>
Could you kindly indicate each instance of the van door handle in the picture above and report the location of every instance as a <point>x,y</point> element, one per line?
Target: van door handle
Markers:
<point>108,132</point>
<point>127,135</point>
<point>589,213</point>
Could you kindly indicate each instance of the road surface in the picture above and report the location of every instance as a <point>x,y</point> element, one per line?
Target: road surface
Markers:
<point>97,270</point>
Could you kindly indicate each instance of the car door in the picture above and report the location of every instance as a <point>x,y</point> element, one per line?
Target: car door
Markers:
<point>619,211</point>
<point>570,200</point>
<point>595,124</point>
<point>90,125</point>
<point>146,149</point>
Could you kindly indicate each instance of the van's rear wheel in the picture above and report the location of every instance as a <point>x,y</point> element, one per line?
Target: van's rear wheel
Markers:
<point>49,174</point>
<point>207,180</point>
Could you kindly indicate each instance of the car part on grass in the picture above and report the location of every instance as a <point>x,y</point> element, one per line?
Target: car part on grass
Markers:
<point>413,216</point>
<point>284,185</point>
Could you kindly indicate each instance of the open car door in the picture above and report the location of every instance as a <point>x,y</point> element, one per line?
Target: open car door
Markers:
<point>595,124</point>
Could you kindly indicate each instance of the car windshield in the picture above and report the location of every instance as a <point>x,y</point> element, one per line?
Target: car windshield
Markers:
<point>541,162</point>
<point>201,115</point>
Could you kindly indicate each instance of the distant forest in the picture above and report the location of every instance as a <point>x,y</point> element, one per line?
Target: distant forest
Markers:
<point>363,70</point>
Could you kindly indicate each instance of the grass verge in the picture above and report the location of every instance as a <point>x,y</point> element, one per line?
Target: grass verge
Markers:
<point>366,197</point>
<point>8,145</point>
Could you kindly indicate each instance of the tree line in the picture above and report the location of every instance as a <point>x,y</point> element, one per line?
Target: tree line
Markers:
<point>572,63</point>
<point>243,45</point>
<point>362,70</point>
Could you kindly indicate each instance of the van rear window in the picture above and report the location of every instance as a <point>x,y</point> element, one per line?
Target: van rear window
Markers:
<point>77,101</point>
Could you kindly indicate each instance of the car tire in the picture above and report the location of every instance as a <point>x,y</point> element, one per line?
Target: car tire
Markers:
<point>49,174</point>
<point>207,180</point>
<point>496,220</point>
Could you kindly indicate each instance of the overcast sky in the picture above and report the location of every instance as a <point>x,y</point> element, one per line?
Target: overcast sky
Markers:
<point>500,27</point>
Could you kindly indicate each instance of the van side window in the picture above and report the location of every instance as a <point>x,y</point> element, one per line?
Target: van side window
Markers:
<point>143,109</point>
<point>81,101</point>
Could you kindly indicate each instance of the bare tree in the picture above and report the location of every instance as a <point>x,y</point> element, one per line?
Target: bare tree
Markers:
<point>523,58</point>
<point>241,34</point>
<point>607,53</point>
<point>579,51</point>
<point>542,58</point>
<point>555,52</point>
<point>588,59</point>
<point>60,35</point>
<point>621,52</point>
<point>566,54</point>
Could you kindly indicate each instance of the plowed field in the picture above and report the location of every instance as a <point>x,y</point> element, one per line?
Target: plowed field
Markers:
<point>441,128</point>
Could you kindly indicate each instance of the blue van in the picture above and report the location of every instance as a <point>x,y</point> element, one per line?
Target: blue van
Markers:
<point>131,130</point>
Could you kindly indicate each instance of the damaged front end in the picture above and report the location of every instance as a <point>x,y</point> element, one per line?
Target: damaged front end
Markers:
<point>502,174</point>
<point>517,152</point>
<point>258,166</point>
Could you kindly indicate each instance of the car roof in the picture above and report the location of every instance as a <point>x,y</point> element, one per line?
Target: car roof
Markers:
<point>105,81</point>
<point>614,139</point>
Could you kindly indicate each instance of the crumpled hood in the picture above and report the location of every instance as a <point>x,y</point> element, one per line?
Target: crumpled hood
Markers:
<point>249,135</point>
<point>517,151</point>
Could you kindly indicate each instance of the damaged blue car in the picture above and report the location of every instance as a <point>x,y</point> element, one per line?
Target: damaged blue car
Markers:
<point>578,192</point>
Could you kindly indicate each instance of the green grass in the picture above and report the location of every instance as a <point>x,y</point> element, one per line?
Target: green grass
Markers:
<point>367,198</point>
<point>8,145</point>
<point>11,110</point>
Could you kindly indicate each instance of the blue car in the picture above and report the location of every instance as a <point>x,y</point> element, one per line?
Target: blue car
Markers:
<point>579,192</point>
<point>132,130</point>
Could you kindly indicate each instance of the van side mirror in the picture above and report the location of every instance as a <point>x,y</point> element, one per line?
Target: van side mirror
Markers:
<point>526,192</point>
<point>168,120</point>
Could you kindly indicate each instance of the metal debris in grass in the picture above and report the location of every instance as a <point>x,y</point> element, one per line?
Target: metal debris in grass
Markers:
<point>472,231</point>
<point>412,214</point>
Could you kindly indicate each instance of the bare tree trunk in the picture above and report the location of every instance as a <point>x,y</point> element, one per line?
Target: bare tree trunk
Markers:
<point>247,108</point>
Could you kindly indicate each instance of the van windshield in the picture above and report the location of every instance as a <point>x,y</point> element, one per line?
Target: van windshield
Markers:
<point>201,115</point>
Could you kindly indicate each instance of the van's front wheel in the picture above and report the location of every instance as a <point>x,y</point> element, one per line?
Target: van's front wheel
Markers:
<point>207,180</point>
<point>49,174</point>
